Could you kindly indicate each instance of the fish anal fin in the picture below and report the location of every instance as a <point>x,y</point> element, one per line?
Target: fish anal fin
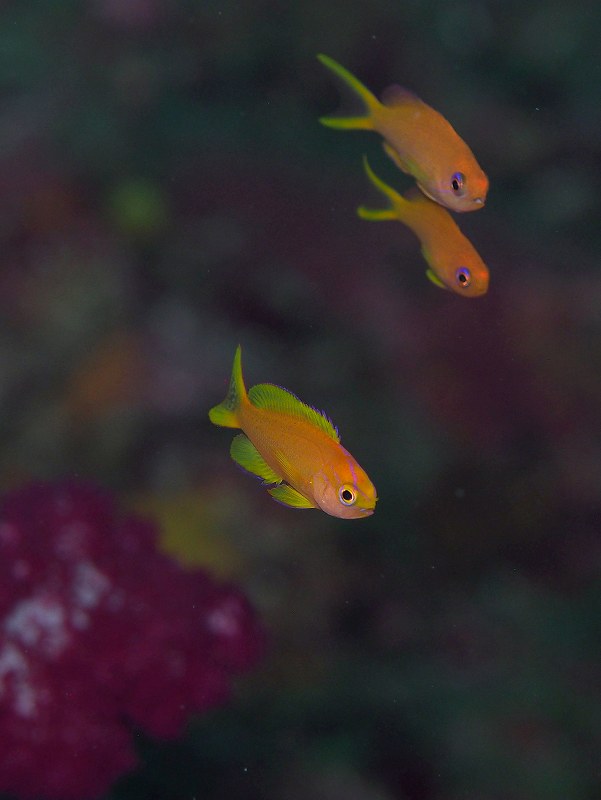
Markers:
<point>245,454</point>
<point>274,398</point>
<point>288,496</point>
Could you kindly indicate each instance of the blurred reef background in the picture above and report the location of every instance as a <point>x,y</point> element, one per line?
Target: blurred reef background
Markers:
<point>166,193</point>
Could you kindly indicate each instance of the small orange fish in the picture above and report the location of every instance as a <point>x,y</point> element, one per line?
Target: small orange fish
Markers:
<point>419,140</point>
<point>294,448</point>
<point>452,260</point>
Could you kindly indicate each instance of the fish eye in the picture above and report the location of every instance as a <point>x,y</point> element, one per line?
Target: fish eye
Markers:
<point>457,182</point>
<point>464,277</point>
<point>347,495</point>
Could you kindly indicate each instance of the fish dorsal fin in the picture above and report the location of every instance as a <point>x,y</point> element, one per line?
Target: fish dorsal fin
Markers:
<point>396,95</point>
<point>274,398</point>
<point>247,456</point>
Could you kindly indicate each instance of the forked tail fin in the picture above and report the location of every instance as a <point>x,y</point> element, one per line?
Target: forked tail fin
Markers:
<point>371,102</point>
<point>396,201</point>
<point>226,413</point>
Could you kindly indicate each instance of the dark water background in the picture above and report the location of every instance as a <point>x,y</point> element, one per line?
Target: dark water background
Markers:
<point>165,193</point>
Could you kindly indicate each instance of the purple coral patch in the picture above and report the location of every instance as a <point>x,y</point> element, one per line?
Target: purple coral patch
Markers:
<point>100,633</point>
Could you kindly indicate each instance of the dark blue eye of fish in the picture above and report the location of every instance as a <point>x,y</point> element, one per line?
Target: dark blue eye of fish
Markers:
<point>457,182</point>
<point>347,495</point>
<point>464,277</point>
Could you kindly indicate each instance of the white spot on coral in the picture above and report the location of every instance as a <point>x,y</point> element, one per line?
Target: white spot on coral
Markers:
<point>224,620</point>
<point>89,585</point>
<point>39,622</point>
<point>14,675</point>
<point>12,660</point>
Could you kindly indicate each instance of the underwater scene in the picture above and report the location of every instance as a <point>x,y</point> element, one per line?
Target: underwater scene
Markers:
<point>300,390</point>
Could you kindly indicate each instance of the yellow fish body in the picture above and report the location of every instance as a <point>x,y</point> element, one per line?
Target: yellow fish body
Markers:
<point>294,448</point>
<point>419,140</point>
<point>452,260</point>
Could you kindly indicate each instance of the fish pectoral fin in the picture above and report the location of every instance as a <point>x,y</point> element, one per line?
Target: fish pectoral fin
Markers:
<point>395,157</point>
<point>288,496</point>
<point>284,462</point>
<point>245,454</point>
<point>435,279</point>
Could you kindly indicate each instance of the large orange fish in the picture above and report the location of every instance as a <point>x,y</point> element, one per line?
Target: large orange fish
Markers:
<point>294,448</point>
<point>453,262</point>
<point>419,140</point>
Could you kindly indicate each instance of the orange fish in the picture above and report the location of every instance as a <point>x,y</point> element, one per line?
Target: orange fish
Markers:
<point>419,140</point>
<point>453,262</point>
<point>294,448</point>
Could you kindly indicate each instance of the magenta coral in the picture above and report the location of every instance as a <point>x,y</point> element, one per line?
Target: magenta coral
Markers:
<point>101,634</point>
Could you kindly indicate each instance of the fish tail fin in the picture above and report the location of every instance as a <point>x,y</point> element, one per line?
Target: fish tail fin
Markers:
<point>375,214</point>
<point>371,102</point>
<point>227,412</point>
<point>396,201</point>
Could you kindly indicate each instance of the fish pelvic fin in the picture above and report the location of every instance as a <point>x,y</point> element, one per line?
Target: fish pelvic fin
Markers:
<point>288,496</point>
<point>394,210</point>
<point>226,413</point>
<point>369,100</point>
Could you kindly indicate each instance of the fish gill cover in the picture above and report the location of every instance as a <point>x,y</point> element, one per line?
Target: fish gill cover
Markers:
<point>102,635</point>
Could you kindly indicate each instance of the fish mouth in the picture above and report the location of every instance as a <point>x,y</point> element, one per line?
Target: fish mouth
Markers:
<point>367,512</point>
